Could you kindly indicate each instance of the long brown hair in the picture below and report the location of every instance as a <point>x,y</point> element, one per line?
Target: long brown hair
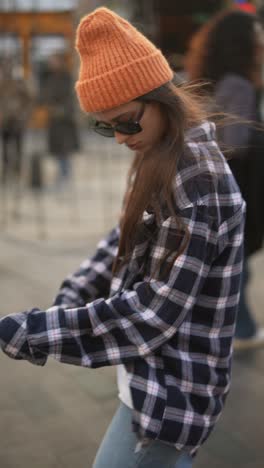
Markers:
<point>150,179</point>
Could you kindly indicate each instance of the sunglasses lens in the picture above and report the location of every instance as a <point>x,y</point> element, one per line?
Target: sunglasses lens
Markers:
<point>104,130</point>
<point>128,128</point>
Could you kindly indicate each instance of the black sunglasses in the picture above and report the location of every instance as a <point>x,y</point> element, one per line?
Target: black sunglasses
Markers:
<point>126,128</point>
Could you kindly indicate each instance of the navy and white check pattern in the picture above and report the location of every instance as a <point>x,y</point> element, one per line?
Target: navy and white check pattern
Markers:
<point>173,332</point>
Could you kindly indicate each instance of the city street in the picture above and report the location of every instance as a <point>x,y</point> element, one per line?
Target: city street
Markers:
<point>55,417</point>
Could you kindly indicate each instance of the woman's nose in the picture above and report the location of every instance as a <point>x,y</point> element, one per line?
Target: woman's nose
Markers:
<point>121,138</point>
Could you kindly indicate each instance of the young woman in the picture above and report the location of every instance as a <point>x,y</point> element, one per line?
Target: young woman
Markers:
<point>159,296</point>
<point>228,53</point>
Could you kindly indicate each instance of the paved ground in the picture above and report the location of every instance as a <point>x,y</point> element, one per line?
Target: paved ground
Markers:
<point>54,417</point>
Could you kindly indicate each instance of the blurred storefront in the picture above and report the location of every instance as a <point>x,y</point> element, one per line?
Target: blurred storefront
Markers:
<point>31,31</point>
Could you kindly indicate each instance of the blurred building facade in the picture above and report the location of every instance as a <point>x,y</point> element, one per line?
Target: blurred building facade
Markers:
<point>32,30</point>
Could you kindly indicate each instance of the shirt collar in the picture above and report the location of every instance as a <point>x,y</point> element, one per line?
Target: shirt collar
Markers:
<point>204,132</point>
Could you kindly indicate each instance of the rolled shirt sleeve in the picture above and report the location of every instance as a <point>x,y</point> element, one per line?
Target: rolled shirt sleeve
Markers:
<point>14,339</point>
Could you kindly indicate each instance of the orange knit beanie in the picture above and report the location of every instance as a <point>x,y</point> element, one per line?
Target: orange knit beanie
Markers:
<point>118,64</point>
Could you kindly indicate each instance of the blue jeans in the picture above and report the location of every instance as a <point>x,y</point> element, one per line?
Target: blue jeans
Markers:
<point>118,448</point>
<point>64,165</point>
<point>246,326</point>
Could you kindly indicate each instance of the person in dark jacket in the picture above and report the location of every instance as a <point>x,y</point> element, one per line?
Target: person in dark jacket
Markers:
<point>227,52</point>
<point>16,101</point>
<point>57,94</point>
<point>159,297</point>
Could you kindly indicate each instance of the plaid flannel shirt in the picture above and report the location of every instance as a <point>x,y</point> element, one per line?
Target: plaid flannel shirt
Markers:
<point>174,334</point>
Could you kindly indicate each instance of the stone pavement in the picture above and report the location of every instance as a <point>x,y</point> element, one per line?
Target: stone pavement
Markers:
<point>55,417</point>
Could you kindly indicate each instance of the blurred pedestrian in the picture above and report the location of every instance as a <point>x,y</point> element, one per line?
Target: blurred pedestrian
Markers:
<point>57,94</point>
<point>16,100</point>
<point>228,54</point>
<point>159,297</point>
